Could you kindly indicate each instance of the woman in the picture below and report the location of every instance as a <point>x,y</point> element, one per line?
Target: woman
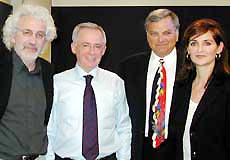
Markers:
<point>200,115</point>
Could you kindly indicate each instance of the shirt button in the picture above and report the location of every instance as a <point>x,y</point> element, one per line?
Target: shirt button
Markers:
<point>193,154</point>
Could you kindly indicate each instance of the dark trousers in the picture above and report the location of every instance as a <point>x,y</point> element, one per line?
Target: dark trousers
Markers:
<point>163,152</point>
<point>110,157</point>
<point>149,151</point>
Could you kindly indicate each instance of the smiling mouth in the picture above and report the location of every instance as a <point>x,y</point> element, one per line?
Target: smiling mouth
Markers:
<point>162,45</point>
<point>92,58</point>
<point>200,56</point>
<point>31,49</point>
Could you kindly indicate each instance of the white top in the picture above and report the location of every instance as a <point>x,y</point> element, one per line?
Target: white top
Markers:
<point>65,125</point>
<point>170,62</point>
<point>186,137</point>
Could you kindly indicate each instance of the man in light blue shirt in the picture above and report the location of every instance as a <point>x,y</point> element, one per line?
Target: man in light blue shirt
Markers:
<point>66,121</point>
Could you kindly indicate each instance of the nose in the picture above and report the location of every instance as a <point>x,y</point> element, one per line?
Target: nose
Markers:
<point>92,49</point>
<point>33,39</point>
<point>200,48</point>
<point>160,38</point>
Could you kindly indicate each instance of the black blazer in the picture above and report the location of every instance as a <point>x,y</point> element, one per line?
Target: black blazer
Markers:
<point>210,127</point>
<point>6,68</point>
<point>133,71</point>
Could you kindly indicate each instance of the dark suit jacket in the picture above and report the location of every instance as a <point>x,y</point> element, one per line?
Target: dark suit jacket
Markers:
<point>133,71</point>
<point>6,68</point>
<point>210,128</point>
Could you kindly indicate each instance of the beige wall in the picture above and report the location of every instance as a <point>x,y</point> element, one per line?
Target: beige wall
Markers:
<point>5,1</point>
<point>123,2</point>
<point>46,3</point>
<point>141,2</point>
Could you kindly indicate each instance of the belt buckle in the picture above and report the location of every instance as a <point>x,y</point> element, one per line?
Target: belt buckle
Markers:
<point>29,157</point>
<point>24,157</point>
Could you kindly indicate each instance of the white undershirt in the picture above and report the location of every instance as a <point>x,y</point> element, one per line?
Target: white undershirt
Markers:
<point>186,137</point>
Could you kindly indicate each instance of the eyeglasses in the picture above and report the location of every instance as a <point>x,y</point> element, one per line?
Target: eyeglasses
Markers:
<point>89,46</point>
<point>29,33</point>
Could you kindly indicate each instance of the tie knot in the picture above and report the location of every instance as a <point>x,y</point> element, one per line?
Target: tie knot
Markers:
<point>88,79</point>
<point>161,61</point>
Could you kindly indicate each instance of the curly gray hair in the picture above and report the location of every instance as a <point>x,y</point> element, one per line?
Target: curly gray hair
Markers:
<point>39,12</point>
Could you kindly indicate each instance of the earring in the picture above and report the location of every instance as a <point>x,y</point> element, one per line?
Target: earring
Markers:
<point>218,55</point>
<point>187,56</point>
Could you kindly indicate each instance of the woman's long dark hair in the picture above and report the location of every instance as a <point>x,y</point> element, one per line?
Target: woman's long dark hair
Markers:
<point>196,29</point>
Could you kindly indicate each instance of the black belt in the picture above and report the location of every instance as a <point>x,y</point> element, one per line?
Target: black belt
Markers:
<point>110,157</point>
<point>29,157</point>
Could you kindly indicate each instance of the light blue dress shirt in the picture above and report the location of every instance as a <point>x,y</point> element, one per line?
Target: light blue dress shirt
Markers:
<point>65,125</point>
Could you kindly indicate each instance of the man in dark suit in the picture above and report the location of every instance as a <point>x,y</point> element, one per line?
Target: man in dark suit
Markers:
<point>26,83</point>
<point>138,72</point>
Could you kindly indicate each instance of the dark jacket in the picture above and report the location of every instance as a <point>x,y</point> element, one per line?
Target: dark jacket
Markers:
<point>133,71</point>
<point>210,129</point>
<point>6,69</point>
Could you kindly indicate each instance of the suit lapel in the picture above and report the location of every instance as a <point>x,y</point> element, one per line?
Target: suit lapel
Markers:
<point>142,80</point>
<point>136,81</point>
<point>142,75</point>
<point>209,96</point>
<point>47,77</point>
<point>179,61</point>
<point>6,67</point>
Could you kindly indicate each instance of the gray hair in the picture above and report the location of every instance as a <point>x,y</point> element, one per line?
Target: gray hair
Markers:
<point>87,25</point>
<point>159,14</point>
<point>39,12</point>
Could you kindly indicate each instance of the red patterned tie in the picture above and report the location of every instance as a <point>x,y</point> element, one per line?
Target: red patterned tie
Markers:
<point>90,148</point>
<point>157,117</point>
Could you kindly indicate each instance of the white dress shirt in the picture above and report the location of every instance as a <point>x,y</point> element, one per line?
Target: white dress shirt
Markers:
<point>170,62</point>
<point>65,125</point>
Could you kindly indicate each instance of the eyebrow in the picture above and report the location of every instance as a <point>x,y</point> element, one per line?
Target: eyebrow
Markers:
<point>202,40</point>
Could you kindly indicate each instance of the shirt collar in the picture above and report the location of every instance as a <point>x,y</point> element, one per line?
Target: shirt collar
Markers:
<point>167,59</point>
<point>83,73</point>
<point>20,66</point>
